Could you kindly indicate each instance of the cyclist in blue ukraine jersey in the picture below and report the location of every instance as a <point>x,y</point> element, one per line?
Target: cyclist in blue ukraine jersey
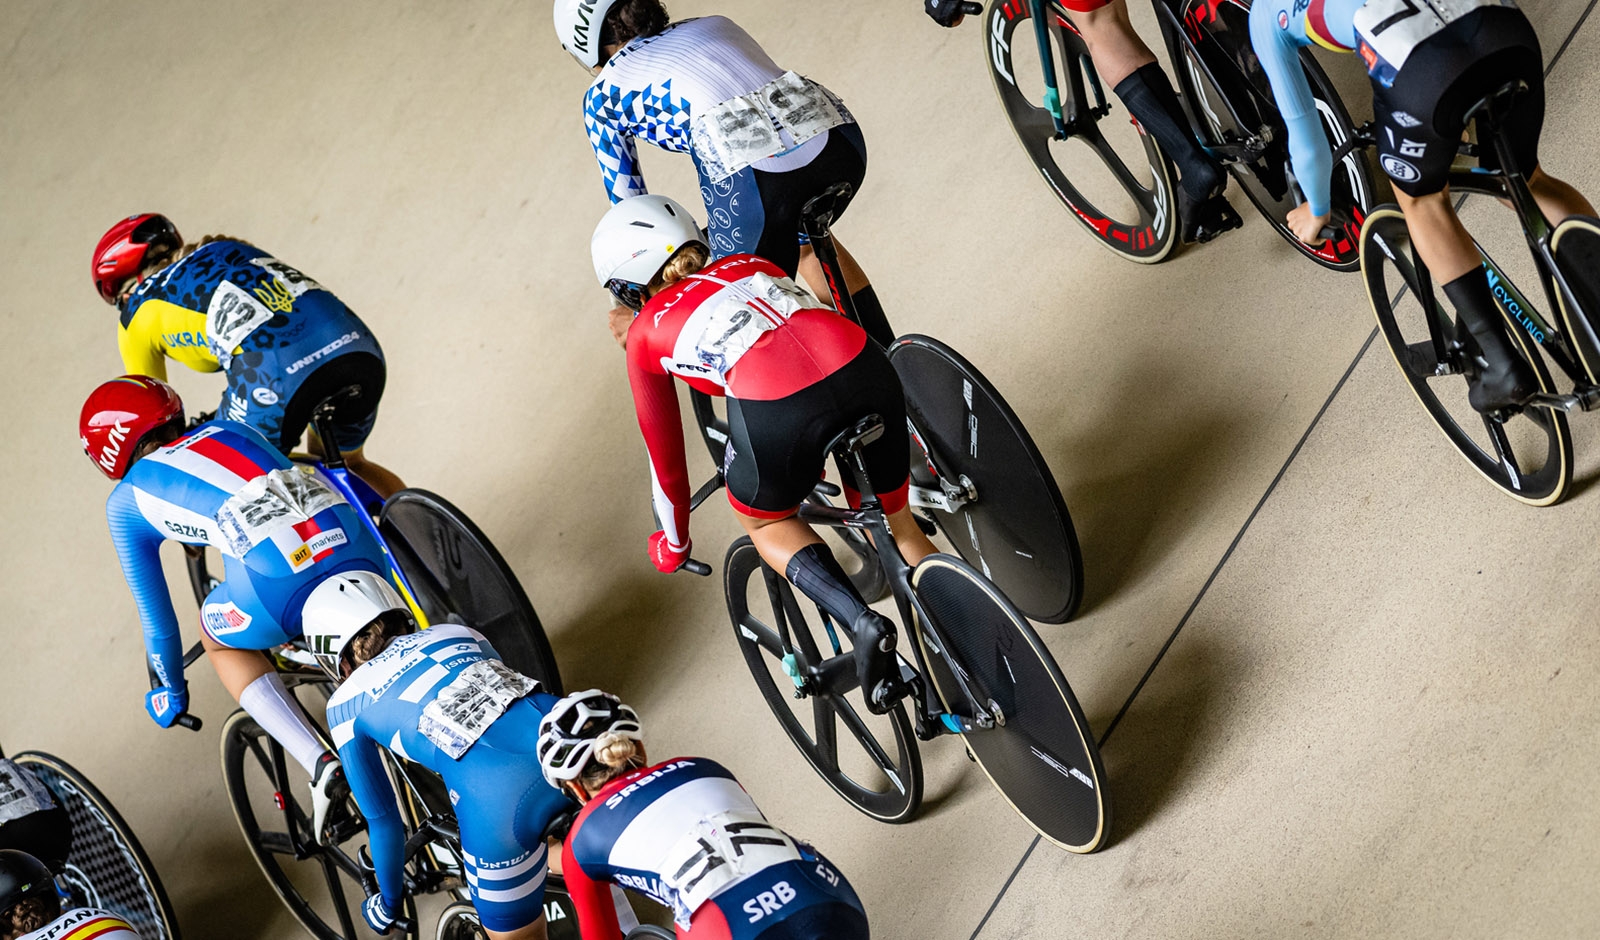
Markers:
<point>763,140</point>
<point>284,341</point>
<point>685,833</point>
<point>280,528</point>
<point>441,698</point>
<point>1429,61</point>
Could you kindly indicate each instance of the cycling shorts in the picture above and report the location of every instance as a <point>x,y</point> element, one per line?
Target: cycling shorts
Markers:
<point>1421,118</point>
<point>777,449</point>
<point>801,900</point>
<point>249,611</point>
<point>1085,6</point>
<point>758,213</point>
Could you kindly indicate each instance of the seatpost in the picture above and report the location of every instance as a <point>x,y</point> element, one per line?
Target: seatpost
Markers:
<point>816,216</point>
<point>322,420</point>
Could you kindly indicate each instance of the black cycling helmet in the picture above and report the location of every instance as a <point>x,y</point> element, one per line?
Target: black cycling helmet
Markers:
<point>22,877</point>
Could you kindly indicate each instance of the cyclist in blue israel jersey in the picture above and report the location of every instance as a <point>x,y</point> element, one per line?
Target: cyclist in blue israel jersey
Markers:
<point>763,140</point>
<point>280,528</point>
<point>441,698</point>
<point>285,342</point>
<point>1429,61</point>
<point>685,833</point>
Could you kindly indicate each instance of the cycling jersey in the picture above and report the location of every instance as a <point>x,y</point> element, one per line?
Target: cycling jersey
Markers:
<point>31,819</point>
<point>230,305</point>
<point>85,923</point>
<point>280,528</point>
<point>442,698</point>
<point>684,833</point>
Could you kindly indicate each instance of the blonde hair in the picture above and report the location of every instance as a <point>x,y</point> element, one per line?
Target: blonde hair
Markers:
<point>614,755</point>
<point>689,259</point>
<point>373,638</point>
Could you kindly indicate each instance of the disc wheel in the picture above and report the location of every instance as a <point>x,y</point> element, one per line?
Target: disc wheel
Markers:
<point>1041,754</point>
<point>1114,179</point>
<point>1526,453</point>
<point>870,760</point>
<point>1015,529</point>
<point>1576,246</point>
<point>460,577</point>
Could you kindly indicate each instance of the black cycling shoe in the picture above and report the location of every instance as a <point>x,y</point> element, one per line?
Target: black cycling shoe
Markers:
<point>877,668</point>
<point>1205,219</point>
<point>1506,381</point>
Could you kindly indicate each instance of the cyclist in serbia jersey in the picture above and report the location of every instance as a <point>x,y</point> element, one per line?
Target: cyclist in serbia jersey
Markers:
<point>284,341</point>
<point>30,906</point>
<point>441,698</point>
<point>280,528</point>
<point>795,374</point>
<point>763,140</point>
<point>683,832</point>
<point>1429,62</point>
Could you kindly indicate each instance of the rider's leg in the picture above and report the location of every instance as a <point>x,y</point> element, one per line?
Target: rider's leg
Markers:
<point>908,536</point>
<point>873,319</point>
<point>382,480</point>
<point>249,677</point>
<point>793,547</point>
<point>1557,198</point>
<point>534,931</point>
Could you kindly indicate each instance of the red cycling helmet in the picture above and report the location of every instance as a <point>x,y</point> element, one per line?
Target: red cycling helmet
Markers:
<point>119,413</point>
<point>122,250</point>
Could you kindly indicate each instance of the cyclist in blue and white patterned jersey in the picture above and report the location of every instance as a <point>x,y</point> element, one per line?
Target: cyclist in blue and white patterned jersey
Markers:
<point>763,140</point>
<point>441,698</point>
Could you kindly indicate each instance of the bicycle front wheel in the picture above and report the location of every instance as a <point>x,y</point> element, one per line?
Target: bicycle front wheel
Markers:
<point>1016,528</point>
<point>461,577</point>
<point>1041,754</point>
<point>1527,454</point>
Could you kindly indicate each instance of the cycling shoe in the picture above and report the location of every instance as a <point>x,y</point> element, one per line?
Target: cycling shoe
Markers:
<point>1205,219</point>
<point>1506,381</point>
<point>877,668</point>
<point>329,792</point>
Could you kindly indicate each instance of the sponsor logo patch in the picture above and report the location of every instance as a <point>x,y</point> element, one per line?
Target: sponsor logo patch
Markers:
<point>265,396</point>
<point>223,619</point>
<point>1400,169</point>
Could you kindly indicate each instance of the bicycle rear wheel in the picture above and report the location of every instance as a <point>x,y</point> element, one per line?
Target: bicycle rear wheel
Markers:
<point>1121,190</point>
<point>107,867</point>
<point>1041,755</point>
<point>460,576</point>
<point>1528,453</point>
<point>881,779</point>
<point>1576,247</point>
<point>1016,530</point>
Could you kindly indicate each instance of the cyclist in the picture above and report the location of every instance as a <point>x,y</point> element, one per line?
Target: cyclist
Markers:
<point>281,530</point>
<point>763,140</point>
<point>683,832</point>
<point>795,374</point>
<point>32,820</point>
<point>1429,62</point>
<point>441,698</point>
<point>285,342</point>
<point>30,906</point>
<point>1124,62</point>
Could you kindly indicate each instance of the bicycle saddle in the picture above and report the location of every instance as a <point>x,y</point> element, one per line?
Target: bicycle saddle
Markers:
<point>1494,107</point>
<point>820,210</point>
<point>859,435</point>
<point>328,405</point>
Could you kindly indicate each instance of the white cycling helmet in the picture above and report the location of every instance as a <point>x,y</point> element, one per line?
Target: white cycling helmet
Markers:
<point>634,240</point>
<point>569,733</point>
<point>340,607</point>
<point>578,28</point>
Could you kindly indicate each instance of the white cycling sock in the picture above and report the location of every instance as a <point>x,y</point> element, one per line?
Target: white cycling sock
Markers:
<point>272,706</point>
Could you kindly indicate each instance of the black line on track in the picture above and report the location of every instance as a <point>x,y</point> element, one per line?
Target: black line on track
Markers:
<point>1005,887</point>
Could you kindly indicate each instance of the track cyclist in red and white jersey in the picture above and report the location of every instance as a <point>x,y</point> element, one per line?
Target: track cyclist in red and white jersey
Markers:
<point>683,832</point>
<point>763,140</point>
<point>30,906</point>
<point>795,374</point>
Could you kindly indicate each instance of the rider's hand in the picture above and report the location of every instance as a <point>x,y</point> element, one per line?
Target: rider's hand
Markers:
<point>1305,226</point>
<point>166,704</point>
<point>949,13</point>
<point>377,914</point>
<point>621,318</point>
<point>666,556</point>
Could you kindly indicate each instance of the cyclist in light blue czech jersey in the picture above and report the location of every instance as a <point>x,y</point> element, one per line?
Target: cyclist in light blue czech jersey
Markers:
<point>1429,61</point>
<point>441,698</point>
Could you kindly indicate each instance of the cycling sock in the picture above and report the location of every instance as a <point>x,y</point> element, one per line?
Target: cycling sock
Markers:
<point>1150,98</point>
<point>272,706</point>
<point>817,574</point>
<point>873,319</point>
<point>1508,377</point>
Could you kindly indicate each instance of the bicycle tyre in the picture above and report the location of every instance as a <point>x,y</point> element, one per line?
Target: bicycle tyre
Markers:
<point>1385,238</point>
<point>758,641</point>
<point>107,867</point>
<point>1151,235</point>
<point>1575,245</point>
<point>650,932</point>
<point>470,579</point>
<point>1043,759</point>
<point>1017,530</point>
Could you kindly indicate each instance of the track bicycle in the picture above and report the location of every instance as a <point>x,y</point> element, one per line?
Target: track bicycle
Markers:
<point>1120,187</point>
<point>1525,450</point>
<point>976,474</point>
<point>107,867</point>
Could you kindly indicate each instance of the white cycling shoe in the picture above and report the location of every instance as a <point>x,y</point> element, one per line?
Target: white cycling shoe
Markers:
<point>329,789</point>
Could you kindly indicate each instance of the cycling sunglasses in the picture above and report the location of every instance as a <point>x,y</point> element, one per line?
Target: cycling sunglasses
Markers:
<point>626,293</point>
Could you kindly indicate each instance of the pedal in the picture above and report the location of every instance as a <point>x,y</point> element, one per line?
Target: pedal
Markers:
<point>1566,403</point>
<point>791,668</point>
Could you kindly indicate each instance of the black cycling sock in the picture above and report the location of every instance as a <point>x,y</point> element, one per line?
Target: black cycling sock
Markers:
<point>1150,98</point>
<point>1470,295</point>
<point>873,319</point>
<point>817,574</point>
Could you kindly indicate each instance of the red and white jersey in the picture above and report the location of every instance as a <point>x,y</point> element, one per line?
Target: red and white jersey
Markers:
<point>85,923</point>
<point>739,328</point>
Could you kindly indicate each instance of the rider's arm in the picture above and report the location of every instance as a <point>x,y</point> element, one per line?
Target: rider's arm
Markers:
<point>139,549</point>
<point>613,149</point>
<point>137,341</point>
<point>386,836</point>
<point>597,913</point>
<point>655,398</point>
<point>1309,152</point>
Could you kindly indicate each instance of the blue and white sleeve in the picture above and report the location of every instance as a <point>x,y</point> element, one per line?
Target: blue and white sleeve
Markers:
<point>386,835</point>
<point>139,550</point>
<point>614,149</point>
<point>1309,152</point>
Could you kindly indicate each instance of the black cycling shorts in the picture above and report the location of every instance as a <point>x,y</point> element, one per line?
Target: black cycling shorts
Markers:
<point>354,417</point>
<point>837,921</point>
<point>1420,120</point>
<point>776,449</point>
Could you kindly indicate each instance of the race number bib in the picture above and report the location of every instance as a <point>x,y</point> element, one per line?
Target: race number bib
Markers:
<point>742,130</point>
<point>289,280</point>
<point>277,500</point>
<point>719,851</point>
<point>21,793</point>
<point>234,314</point>
<point>724,330</point>
<point>1388,30</point>
<point>463,710</point>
